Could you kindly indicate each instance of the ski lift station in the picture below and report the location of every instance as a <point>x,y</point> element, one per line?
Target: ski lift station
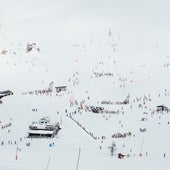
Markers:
<point>43,128</point>
<point>5,93</point>
<point>61,88</point>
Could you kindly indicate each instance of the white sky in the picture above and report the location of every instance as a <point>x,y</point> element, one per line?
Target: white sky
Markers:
<point>73,17</point>
<point>141,24</point>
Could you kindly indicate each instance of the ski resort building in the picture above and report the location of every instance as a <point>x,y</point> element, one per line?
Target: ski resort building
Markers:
<point>162,108</point>
<point>5,93</point>
<point>43,128</point>
<point>60,88</point>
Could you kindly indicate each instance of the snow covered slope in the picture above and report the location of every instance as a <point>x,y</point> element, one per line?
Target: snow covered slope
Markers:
<point>104,52</point>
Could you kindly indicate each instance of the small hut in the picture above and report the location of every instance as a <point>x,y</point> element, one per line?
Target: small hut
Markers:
<point>161,108</point>
<point>61,88</point>
<point>121,156</point>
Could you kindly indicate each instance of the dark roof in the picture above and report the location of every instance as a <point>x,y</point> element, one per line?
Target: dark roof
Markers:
<point>161,106</point>
<point>5,93</point>
<point>60,87</point>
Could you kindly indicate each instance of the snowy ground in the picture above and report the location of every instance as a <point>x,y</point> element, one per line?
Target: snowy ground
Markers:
<point>88,47</point>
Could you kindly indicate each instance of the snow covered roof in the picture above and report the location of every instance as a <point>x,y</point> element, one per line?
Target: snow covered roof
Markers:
<point>45,119</point>
<point>43,124</point>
